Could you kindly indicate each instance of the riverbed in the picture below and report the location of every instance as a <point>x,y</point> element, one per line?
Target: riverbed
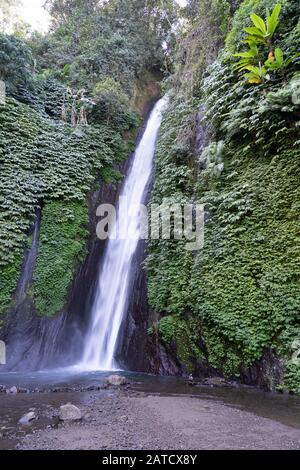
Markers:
<point>152,413</point>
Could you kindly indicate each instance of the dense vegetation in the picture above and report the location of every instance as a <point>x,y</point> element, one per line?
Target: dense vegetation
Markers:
<point>239,296</point>
<point>68,120</point>
<point>229,140</point>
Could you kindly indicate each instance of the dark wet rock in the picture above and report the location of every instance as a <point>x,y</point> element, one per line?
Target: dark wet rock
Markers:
<point>70,412</point>
<point>267,373</point>
<point>26,419</point>
<point>192,383</point>
<point>92,388</point>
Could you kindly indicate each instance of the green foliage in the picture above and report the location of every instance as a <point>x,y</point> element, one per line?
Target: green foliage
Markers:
<point>178,331</point>
<point>242,291</point>
<point>42,159</point>
<point>61,249</point>
<point>169,264</point>
<point>252,230</point>
<point>260,36</point>
<point>252,238</point>
<point>16,63</point>
<point>246,114</point>
<point>118,39</point>
<point>292,379</point>
<point>199,46</point>
<point>99,52</point>
<point>9,276</point>
<point>211,160</point>
<point>111,106</point>
<point>82,72</point>
<point>263,31</point>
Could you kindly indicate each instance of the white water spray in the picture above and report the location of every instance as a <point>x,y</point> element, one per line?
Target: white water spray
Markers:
<point>113,286</point>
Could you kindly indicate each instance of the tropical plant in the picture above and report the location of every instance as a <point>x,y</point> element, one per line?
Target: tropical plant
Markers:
<point>260,36</point>
<point>262,32</point>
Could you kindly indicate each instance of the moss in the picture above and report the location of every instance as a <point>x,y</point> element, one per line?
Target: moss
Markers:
<point>61,249</point>
<point>181,333</point>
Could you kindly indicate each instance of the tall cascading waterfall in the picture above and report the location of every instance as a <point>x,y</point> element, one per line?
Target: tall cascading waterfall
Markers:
<point>113,293</point>
<point>29,263</point>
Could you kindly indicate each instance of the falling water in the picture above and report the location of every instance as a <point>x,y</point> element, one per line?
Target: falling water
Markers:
<point>114,279</point>
<point>29,263</point>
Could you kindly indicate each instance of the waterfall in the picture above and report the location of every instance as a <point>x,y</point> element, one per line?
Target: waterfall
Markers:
<point>112,295</point>
<point>29,263</point>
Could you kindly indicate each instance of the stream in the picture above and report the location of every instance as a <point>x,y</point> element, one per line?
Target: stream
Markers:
<point>284,409</point>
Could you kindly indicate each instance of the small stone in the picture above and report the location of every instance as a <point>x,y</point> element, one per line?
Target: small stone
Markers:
<point>26,419</point>
<point>70,412</point>
<point>13,390</point>
<point>116,381</point>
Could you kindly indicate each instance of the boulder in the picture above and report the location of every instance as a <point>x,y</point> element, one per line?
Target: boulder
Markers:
<point>116,381</point>
<point>215,382</point>
<point>26,419</point>
<point>13,390</point>
<point>70,412</point>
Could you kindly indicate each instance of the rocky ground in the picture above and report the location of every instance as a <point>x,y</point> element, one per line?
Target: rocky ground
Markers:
<point>125,420</point>
<point>116,417</point>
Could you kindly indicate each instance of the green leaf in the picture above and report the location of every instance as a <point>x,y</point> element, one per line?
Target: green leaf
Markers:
<point>249,54</point>
<point>253,69</point>
<point>272,22</point>
<point>259,23</point>
<point>253,41</point>
<point>253,78</point>
<point>254,31</point>
<point>279,56</point>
